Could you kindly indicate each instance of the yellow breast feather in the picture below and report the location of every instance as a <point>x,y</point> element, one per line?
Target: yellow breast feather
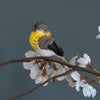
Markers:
<point>34,36</point>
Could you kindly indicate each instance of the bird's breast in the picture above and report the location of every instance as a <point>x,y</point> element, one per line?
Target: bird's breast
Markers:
<point>34,37</point>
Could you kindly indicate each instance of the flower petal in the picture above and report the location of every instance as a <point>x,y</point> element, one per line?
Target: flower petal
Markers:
<point>87,58</point>
<point>34,72</point>
<point>82,61</point>
<point>30,54</point>
<point>61,78</point>
<point>28,65</point>
<point>50,71</point>
<point>75,75</point>
<point>98,36</point>
<point>38,79</point>
<point>73,60</point>
<point>99,28</point>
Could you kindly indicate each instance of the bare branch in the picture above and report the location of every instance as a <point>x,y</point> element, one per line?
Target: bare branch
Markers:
<point>74,68</point>
<point>51,60</point>
<point>32,90</point>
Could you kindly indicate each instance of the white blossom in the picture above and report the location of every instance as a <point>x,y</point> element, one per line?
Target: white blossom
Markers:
<point>84,61</point>
<point>98,36</point>
<point>88,90</point>
<point>99,29</point>
<point>49,71</point>
<point>60,69</point>
<point>34,72</point>
<point>40,79</point>
<point>29,65</point>
<point>75,73</point>
<point>39,75</point>
<point>30,54</point>
<point>73,60</point>
<point>76,76</point>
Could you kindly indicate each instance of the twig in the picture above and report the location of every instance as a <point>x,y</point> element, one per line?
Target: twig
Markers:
<point>74,68</point>
<point>51,60</point>
<point>32,90</point>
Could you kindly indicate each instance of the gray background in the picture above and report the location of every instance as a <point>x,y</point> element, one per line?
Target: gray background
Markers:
<point>74,25</point>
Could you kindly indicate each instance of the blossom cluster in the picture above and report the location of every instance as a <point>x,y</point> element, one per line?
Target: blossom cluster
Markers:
<point>41,70</point>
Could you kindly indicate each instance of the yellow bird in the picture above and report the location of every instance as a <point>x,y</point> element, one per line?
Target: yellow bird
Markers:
<point>43,43</point>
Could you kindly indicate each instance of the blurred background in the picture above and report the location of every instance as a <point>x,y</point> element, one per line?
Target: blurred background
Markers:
<point>74,25</point>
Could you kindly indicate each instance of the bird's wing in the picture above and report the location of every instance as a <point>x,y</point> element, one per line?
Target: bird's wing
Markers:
<point>56,48</point>
<point>47,42</point>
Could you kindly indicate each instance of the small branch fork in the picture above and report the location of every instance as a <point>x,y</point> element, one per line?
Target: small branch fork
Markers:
<point>48,59</point>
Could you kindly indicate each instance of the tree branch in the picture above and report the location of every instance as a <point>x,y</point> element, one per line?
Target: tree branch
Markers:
<point>32,90</point>
<point>78,68</point>
<point>74,68</point>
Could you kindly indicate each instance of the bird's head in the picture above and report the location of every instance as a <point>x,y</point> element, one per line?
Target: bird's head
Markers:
<point>39,30</point>
<point>41,27</point>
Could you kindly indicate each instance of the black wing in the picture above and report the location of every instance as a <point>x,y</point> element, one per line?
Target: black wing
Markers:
<point>55,48</point>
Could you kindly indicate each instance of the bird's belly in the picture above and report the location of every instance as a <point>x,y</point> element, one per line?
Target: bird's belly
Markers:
<point>44,52</point>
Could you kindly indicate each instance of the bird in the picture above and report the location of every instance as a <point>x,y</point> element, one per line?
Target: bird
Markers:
<point>44,43</point>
